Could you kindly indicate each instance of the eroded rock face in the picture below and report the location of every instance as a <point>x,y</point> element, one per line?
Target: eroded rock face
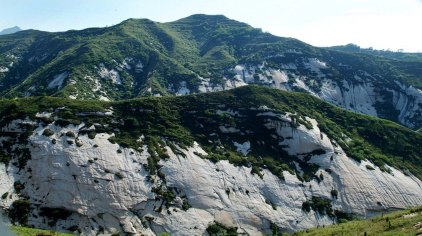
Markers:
<point>364,94</point>
<point>100,187</point>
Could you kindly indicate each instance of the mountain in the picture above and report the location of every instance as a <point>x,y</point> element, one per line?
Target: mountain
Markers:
<point>398,55</point>
<point>10,30</point>
<point>248,160</point>
<point>203,53</point>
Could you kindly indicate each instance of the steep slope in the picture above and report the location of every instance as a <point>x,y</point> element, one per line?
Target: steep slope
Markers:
<point>252,158</point>
<point>203,53</point>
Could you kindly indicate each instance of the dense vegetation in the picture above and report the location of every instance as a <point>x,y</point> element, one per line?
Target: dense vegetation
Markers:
<point>407,222</point>
<point>183,50</point>
<point>181,120</point>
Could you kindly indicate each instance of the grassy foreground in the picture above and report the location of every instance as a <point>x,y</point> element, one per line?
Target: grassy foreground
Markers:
<point>24,231</point>
<point>407,222</point>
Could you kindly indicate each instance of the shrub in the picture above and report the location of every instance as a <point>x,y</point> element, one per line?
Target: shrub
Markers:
<point>186,205</point>
<point>19,211</point>
<point>55,214</point>
<point>18,187</point>
<point>369,167</point>
<point>92,134</point>
<point>70,134</point>
<point>306,206</point>
<point>4,158</point>
<point>334,193</point>
<point>48,132</point>
<point>320,205</point>
<point>219,229</point>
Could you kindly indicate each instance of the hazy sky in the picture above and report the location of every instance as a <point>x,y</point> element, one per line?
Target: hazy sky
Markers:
<point>382,24</point>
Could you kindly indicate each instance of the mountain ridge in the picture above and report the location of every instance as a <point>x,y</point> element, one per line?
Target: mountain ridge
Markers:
<point>202,53</point>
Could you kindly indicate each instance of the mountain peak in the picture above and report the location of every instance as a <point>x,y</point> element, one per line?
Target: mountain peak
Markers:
<point>11,30</point>
<point>206,18</point>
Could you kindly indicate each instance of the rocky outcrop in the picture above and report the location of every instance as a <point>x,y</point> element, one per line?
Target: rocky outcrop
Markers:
<point>365,93</point>
<point>95,186</point>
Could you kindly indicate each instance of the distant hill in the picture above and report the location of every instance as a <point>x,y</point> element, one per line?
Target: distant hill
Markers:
<point>399,55</point>
<point>10,30</point>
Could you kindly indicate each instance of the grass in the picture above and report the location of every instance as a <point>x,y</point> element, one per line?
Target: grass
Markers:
<point>25,231</point>
<point>406,222</point>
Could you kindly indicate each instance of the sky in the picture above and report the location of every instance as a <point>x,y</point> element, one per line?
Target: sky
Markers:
<point>381,24</point>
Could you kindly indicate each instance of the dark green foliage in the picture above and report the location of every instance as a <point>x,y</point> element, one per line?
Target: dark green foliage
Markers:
<point>4,195</point>
<point>186,205</point>
<point>92,134</point>
<point>4,158</point>
<point>48,132</point>
<point>218,229</point>
<point>343,217</point>
<point>306,206</point>
<point>320,205</point>
<point>70,134</point>
<point>275,230</point>
<point>369,167</point>
<point>334,193</point>
<point>18,212</point>
<point>55,214</point>
<point>18,186</point>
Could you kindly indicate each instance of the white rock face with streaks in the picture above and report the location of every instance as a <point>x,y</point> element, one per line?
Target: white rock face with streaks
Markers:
<point>359,96</point>
<point>58,80</point>
<point>408,102</point>
<point>243,198</point>
<point>107,188</point>
<point>183,90</point>
<point>356,97</point>
<point>112,74</point>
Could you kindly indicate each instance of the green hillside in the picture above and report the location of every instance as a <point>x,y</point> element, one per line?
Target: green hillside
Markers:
<point>405,223</point>
<point>199,45</point>
<point>24,231</point>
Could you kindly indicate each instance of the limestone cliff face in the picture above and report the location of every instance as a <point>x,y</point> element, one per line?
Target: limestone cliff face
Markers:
<point>102,188</point>
<point>364,93</point>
